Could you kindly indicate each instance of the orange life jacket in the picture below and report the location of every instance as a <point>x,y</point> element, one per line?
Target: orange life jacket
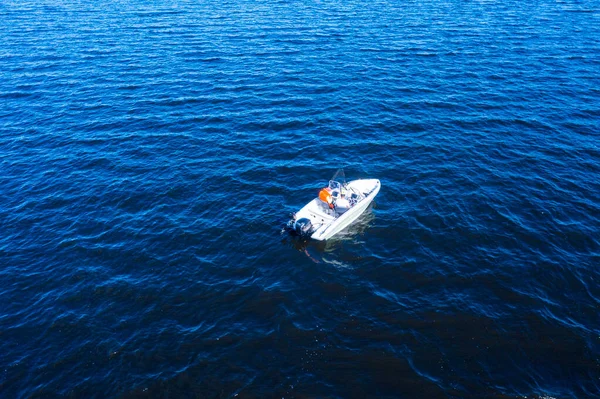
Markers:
<point>325,195</point>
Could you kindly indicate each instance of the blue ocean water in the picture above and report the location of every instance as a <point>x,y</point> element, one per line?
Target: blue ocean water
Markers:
<point>150,153</point>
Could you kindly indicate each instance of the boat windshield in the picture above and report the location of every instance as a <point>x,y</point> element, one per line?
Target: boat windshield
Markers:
<point>335,185</point>
<point>338,180</point>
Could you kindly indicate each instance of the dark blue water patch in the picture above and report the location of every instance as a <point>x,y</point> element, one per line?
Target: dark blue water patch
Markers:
<point>150,155</point>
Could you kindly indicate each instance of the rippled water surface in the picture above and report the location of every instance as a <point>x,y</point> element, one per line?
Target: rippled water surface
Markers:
<point>150,153</point>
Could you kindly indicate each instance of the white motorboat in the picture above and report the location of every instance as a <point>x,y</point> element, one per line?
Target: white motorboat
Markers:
<point>337,206</point>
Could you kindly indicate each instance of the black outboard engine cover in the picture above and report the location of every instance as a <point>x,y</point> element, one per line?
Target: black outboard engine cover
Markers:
<point>303,227</point>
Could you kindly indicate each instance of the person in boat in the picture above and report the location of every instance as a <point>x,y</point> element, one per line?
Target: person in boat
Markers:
<point>335,199</point>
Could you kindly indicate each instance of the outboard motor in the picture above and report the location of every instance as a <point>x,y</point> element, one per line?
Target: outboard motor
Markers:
<point>303,227</point>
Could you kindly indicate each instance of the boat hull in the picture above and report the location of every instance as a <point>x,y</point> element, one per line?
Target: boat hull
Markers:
<point>331,225</point>
<point>325,232</point>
